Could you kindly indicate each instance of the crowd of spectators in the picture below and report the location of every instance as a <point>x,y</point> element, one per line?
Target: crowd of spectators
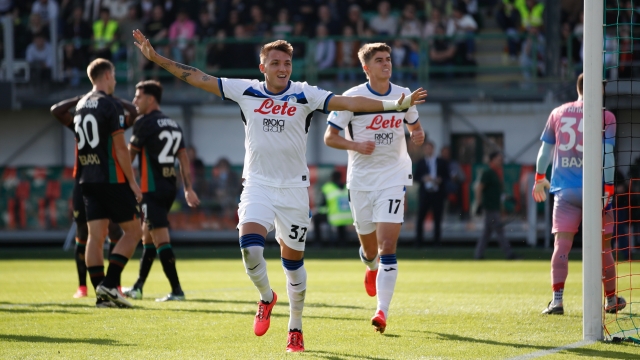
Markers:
<point>102,28</point>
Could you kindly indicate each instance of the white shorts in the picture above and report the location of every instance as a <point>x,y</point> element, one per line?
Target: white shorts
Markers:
<point>286,210</point>
<point>371,207</point>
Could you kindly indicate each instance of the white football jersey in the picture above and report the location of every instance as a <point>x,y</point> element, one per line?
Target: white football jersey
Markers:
<point>389,164</point>
<point>276,127</point>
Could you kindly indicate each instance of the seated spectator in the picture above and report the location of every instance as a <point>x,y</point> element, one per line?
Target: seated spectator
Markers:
<point>283,28</point>
<point>205,29</point>
<point>225,188</point>
<point>211,8</point>
<point>216,53</point>
<point>40,58</point>
<point>325,18</point>
<point>72,64</point>
<point>105,35</point>
<point>465,27</point>
<point>36,27</point>
<point>442,53</point>
<point>79,32</point>
<point>146,9</point>
<point>156,30</point>
<point>531,13</point>
<point>442,6</point>
<point>244,54</point>
<point>47,9</point>
<point>130,23</point>
<point>299,47</point>
<point>117,8</point>
<point>508,18</point>
<point>355,20</point>
<point>347,55</point>
<point>306,11</point>
<point>233,20</point>
<point>258,26</point>
<point>436,19</point>
<point>181,33</point>
<point>384,24</point>
<point>533,51</point>
<point>410,26</point>
<point>325,48</point>
<point>399,56</point>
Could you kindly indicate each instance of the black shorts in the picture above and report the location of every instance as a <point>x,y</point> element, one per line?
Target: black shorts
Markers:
<point>156,206</point>
<point>79,213</point>
<point>110,201</point>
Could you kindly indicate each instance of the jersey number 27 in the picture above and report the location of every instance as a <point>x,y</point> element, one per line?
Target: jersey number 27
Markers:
<point>170,147</point>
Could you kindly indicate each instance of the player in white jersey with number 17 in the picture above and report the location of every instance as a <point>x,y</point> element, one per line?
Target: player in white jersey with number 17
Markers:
<point>378,172</point>
<point>276,114</point>
<point>563,136</point>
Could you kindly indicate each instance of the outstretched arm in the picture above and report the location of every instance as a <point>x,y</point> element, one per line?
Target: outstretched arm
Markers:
<point>365,104</point>
<point>187,73</point>
<point>61,110</point>
<point>333,139</point>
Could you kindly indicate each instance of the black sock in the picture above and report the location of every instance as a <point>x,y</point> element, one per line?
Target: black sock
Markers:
<point>168,260</point>
<point>112,245</point>
<point>117,263</point>
<point>96,274</point>
<point>148,255</point>
<point>81,266</point>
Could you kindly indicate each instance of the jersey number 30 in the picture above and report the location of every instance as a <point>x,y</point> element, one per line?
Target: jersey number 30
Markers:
<point>82,129</point>
<point>173,140</point>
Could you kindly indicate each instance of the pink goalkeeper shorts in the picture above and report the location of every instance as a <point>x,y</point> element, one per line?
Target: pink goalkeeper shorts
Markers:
<point>567,212</point>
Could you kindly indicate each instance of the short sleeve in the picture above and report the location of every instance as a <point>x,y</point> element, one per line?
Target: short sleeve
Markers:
<point>609,134</point>
<point>339,119</point>
<point>549,132</point>
<point>318,98</point>
<point>233,89</point>
<point>116,120</point>
<point>411,117</point>
<point>139,136</point>
<point>182,145</point>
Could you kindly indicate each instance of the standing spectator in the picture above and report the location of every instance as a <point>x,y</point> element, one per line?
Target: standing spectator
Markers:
<point>335,197</point>
<point>442,53</point>
<point>325,48</point>
<point>431,172</point>
<point>243,52</point>
<point>131,22</point>
<point>206,28</point>
<point>453,187</point>
<point>384,24</point>
<point>91,10</point>
<point>306,11</point>
<point>355,20</point>
<point>72,63</point>
<point>181,33</point>
<point>283,28</point>
<point>410,26</point>
<point>508,18</point>
<point>117,8</point>
<point>465,28</point>
<point>489,192</point>
<point>216,52</point>
<point>146,9</point>
<point>78,32</point>
<point>325,18</point>
<point>47,9</point>
<point>211,8</point>
<point>105,35</point>
<point>532,54</point>
<point>531,13</point>
<point>40,58</point>
<point>399,57</point>
<point>347,55</point>
<point>157,31</point>
<point>232,21</point>
<point>36,27</point>
<point>258,26</point>
<point>299,30</point>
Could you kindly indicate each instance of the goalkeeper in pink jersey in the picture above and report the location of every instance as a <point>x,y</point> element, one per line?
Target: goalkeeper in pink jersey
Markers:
<point>562,139</point>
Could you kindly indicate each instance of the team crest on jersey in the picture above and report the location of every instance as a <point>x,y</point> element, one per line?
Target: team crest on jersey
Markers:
<point>121,118</point>
<point>292,99</point>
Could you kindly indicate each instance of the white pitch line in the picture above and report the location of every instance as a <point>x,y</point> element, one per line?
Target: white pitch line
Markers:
<point>542,353</point>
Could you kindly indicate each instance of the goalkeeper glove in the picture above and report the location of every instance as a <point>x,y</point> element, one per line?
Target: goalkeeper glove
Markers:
<point>608,196</point>
<point>539,188</point>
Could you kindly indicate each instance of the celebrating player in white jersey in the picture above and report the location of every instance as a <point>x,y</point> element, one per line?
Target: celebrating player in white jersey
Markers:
<point>563,136</point>
<point>276,114</point>
<point>378,172</point>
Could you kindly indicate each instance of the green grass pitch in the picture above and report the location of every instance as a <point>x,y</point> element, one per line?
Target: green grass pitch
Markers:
<point>445,306</point>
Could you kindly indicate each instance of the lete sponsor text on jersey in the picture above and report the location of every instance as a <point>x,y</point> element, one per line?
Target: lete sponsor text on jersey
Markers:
<point>269,107</point>
<point>379,122</point>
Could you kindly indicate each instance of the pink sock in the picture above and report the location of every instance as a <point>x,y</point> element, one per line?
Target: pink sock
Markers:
<point>560,263</point>
<point>609,273</point>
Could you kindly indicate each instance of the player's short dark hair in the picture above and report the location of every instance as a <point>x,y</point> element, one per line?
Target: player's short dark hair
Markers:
<point>279,45</point>
<point>151,87</point>
<point>579,84</point>
<point>98,67</point>
<point>494,154</point>
<point>367,51</point>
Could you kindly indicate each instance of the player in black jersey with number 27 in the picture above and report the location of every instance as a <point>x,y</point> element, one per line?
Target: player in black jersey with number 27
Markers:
<point>159,141</point>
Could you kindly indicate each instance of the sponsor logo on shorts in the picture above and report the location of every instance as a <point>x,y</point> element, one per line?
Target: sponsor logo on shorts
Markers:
<point>273,125</point>
<point>383,139</point>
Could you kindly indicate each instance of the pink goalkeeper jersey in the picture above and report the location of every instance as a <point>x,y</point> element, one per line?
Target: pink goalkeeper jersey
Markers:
<point>564,129</point>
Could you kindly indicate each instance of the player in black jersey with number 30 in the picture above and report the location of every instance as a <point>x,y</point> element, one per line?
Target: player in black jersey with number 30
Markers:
<point>159,141</point>
<point>108,186</point>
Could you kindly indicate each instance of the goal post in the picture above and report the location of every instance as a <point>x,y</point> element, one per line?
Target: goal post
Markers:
<point>592,171</point>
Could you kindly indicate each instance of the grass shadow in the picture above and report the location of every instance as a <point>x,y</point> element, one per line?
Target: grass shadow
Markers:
<point>307,305</point>
<point>49,339</point>
<point>337,356</point>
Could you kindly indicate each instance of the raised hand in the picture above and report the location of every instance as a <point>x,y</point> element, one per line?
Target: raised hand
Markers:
<point>143,44</point>
<point>417,97</point>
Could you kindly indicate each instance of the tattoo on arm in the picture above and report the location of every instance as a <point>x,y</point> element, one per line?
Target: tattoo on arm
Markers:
<point>184,76</point>
<point>185,67</point>
<point>206,78</point>
<point>165,65</point>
